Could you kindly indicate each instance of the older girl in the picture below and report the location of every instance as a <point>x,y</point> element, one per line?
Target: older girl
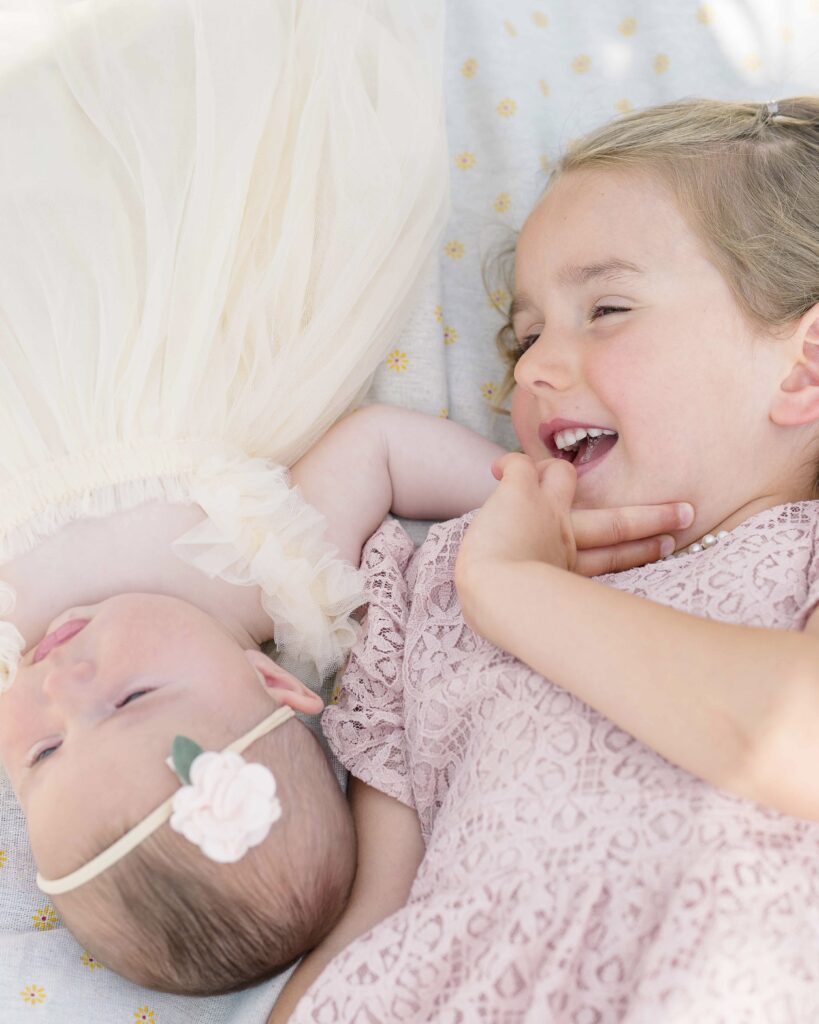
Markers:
<point>596,800</point>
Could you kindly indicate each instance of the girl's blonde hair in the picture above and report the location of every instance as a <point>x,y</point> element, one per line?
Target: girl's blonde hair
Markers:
<point>747,176</point>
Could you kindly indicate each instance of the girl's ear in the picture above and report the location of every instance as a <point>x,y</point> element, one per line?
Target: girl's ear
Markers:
<point>283,686</point>
<point>796,403</point>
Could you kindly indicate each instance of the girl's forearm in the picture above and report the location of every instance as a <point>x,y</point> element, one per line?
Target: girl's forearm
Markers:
<point>390,850</point>
<point>388,459</point>
<point>735,705</point>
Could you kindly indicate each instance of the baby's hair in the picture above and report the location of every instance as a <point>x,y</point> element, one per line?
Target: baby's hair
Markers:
<point>168,918</point>
<point>746,175</point>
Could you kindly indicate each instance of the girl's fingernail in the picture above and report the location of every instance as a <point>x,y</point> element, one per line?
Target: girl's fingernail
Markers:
<point>667,545</point>
<point>685,514</point>
<point>811,351</point>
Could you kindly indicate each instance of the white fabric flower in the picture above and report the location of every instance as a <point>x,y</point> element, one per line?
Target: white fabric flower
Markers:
<point>229,806</point>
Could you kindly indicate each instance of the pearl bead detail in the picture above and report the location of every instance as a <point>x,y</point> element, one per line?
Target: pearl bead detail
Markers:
<point>708,541</point>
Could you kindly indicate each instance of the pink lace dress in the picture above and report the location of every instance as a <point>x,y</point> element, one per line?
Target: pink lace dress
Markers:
<point>571,874</point>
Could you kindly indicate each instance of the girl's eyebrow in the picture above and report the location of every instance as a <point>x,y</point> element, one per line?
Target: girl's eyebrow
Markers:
<point>607,270</point>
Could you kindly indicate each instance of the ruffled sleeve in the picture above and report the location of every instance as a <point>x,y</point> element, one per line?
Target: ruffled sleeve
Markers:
<point>365,727</point>
<point>11,641</point>
<point>259,531</point>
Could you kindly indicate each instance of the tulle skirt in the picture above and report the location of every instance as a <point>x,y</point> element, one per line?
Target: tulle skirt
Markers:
<point>213,219</point>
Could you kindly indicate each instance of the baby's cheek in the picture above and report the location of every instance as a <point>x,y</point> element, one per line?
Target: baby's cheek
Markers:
<point>15,724</point>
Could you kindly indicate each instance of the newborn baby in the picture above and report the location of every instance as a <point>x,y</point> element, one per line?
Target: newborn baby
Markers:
<point>85,733</point>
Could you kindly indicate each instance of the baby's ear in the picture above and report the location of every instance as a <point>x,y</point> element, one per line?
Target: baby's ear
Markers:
<point>283,686</point>
<point>796,403</point>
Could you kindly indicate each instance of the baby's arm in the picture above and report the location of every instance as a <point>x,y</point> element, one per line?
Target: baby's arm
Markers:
<point>388,459</point>
<point>390,848</point>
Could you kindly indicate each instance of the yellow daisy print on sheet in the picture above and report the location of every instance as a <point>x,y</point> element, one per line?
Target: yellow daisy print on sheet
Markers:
<point>4,859</point>
<point>45,919</point>
<point>464,161</point>
<point>397,360</point>
<point>489,391</point>
<point>454,249</point>
<point>90,962</point>
<point>33,995</point>
<point>146,1014</point>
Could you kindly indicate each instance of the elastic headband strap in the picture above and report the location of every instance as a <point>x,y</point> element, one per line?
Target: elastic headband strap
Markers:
<point>150,823</point>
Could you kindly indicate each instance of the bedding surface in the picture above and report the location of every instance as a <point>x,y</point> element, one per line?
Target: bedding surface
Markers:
<point>522,79</point>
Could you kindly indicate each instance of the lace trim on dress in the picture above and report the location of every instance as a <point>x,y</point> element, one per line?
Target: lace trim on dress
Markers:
<point>96,483</point>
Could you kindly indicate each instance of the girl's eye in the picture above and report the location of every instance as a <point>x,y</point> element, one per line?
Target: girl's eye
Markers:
<point>599,311</point>
<point>526,343</point>
<point>132,697</point>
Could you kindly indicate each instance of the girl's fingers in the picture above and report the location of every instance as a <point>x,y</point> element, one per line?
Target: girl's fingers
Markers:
<point>559,479</point>
<point>599,528</point>
<point>515,465</point>
<point>598,561</point>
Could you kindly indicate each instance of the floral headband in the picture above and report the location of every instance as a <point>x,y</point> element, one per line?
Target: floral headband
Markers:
<point>224,806</point>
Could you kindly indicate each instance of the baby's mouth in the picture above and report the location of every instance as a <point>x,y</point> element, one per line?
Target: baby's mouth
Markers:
<point>61,635</point>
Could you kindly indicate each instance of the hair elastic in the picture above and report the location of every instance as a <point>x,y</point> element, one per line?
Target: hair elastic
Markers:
<point>151,822</point>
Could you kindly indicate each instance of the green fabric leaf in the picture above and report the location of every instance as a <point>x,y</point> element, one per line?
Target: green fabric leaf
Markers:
<point>183,753</point>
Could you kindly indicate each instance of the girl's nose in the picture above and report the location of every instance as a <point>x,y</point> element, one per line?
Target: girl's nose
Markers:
<point>70,684</point>
<point>542,366</point>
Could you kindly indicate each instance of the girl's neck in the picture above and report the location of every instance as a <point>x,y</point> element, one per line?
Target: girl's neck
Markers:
<point>696,532</point>
<point>130,552</point>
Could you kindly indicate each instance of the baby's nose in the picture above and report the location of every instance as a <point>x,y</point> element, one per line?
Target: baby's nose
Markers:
<point>69,683</point>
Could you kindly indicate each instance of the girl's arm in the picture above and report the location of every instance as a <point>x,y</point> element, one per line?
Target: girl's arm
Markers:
<point>386,459</point>
<point>735,705</point>
<point>390,848</point>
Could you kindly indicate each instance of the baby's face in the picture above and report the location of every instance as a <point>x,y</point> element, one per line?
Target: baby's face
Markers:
<point>632,328</point>
<point>88,724</point>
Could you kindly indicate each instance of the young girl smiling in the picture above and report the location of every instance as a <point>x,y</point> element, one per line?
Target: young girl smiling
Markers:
<point>561,783</point>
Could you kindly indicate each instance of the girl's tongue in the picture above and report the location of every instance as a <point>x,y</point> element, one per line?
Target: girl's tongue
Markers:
<point>590,449</point>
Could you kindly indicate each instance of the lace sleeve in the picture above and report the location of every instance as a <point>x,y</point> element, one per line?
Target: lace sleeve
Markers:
<point>811,600</point>
<point>365,726</point>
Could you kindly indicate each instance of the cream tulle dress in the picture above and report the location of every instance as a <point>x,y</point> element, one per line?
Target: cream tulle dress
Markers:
<point>213,218</point>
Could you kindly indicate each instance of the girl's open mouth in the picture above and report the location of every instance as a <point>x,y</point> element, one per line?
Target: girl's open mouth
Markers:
<point>588,451</point>
<point>585,446</point>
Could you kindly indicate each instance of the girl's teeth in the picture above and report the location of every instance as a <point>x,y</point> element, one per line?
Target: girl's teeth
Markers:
<point>569,438</point>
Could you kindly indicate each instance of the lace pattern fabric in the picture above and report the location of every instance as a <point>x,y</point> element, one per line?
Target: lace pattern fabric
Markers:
<point>571,873</point>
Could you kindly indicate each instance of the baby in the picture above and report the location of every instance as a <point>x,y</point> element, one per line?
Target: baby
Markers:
<point>199,271</point>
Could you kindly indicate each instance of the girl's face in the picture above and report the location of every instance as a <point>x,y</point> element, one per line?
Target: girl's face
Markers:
<point>630,328</point>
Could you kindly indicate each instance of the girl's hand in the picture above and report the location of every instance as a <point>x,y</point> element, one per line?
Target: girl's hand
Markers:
<point>529,518</point>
